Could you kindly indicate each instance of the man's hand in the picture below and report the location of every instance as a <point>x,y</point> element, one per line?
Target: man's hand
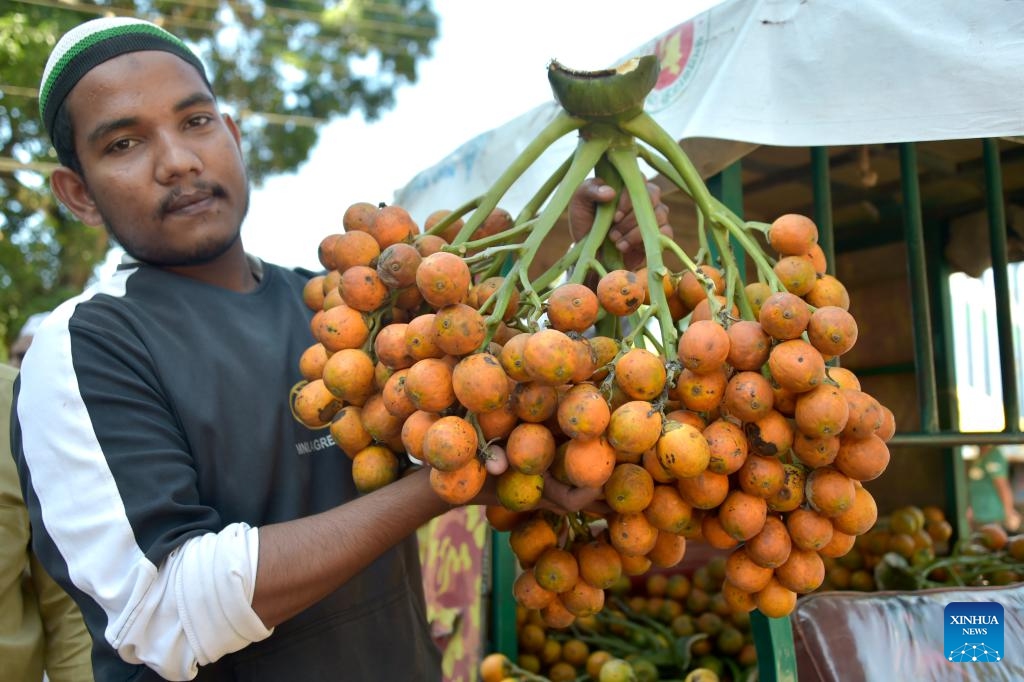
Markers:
<point>565,499</point>
<point>1012,520</point>
<point>557,497</point>
<point>624,232</point>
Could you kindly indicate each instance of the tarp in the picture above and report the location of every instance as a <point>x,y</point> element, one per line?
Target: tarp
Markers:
<point>790,73</point>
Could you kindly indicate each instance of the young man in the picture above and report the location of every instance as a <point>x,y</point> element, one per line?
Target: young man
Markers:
<point>161,464</point>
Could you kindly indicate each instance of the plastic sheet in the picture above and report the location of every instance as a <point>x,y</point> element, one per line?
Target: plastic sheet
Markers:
<point>871,636</point>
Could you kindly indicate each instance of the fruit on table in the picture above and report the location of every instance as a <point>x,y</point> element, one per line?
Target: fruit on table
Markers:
<point>651,623</point>
<point>910,549</point>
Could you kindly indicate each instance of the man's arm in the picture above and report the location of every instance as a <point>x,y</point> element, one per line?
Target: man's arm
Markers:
<point>304,560</point>
<point>335,545</point>
<point>1011,517</point>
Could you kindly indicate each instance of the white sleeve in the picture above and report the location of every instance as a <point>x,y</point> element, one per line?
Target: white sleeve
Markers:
<point>196,608</point>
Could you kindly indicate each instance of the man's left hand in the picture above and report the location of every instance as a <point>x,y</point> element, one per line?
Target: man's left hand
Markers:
<point>625,231</point>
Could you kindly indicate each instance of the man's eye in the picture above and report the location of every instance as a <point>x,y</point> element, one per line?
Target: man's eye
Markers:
<point>121,145</point>
<point>199,120</point>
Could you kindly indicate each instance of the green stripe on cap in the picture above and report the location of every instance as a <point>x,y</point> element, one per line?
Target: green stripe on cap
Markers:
<point>89,44</point>
<point>92,39</point>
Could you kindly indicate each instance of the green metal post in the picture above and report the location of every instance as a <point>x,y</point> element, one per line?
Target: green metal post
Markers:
<point>924,359</point>
<point>1000,277</point>
<point>503,604</point>
<point>823,205</point>
<point>773,637</point>
<point>776,655</point>
<point>727,187</point>
<point>955,475</point>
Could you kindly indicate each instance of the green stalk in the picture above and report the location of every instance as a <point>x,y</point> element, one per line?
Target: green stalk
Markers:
<point>560,126</point>
<point>704,250</point>
<point>729,265</point>
<point>501,299</point>
<point>560,267</point>
<point>489,253</point>
<point>524,674</point>
<point>662,166</point>
<point>538,198</point>
<point>641,322</point>
<point>597,267</point>
<point>462,210</point>
<point>603,216</point>
<point>764,268</point>
<point>608,325</point>
<point>649,335</point>
<point>588,152</point>
<point>734,287</point>
<point>484,242</point>
<point>496,267</point>
<point>648,130</point>
<point>667,243</point>
<point>624,160</point>
<point>614,645</point>
<point>759,226</point>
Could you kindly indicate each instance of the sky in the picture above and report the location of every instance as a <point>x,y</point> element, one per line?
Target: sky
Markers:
<point>488,66</point>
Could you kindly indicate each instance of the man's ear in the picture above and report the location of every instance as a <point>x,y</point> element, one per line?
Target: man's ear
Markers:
<point>233,127</point>
<point>70,189</point>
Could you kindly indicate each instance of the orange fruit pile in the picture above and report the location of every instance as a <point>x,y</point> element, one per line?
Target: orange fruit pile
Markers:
<point>745,436</point>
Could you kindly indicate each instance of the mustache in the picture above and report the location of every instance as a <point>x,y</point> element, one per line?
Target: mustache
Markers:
<point>214,189</point>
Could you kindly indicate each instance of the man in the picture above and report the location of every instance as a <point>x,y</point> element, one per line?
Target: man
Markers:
<point>159,457</point>
<point>989,494</point>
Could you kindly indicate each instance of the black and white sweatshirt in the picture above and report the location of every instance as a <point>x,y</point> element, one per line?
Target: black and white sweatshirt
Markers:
<point>154,436</point>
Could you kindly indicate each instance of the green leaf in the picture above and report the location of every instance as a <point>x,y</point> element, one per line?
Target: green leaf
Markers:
<point>682,648</point>
<point>893,572</point>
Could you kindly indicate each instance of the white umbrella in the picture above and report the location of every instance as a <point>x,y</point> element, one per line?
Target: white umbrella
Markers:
<point>789,73</point>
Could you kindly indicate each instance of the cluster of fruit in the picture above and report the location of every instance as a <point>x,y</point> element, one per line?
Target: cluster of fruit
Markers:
<point>762,450</point>
<point>744,436</point>
<point>696,403</point>
<point>911,548</point>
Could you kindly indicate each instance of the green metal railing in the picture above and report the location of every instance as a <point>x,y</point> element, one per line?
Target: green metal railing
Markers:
<point>932,432</point>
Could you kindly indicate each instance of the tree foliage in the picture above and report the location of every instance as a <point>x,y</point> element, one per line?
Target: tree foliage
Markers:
<point>281,67</point>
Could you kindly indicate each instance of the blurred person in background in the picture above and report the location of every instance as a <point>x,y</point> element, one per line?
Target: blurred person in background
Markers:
<point>989,495</point>
<point>41,628</point>
<point>17,351</point>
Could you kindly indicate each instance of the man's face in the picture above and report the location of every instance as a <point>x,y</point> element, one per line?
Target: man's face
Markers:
<point>162,169</point>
